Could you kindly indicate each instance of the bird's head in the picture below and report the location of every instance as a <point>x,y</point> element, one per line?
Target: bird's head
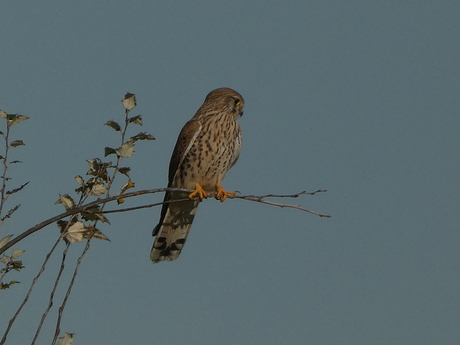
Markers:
<point>225,99</point>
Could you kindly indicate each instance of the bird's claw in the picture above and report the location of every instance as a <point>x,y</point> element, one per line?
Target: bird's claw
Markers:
<point>222,194</point>
<point>198,192</point>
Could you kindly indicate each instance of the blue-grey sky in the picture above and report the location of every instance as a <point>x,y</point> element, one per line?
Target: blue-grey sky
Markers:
<point>360,98</point>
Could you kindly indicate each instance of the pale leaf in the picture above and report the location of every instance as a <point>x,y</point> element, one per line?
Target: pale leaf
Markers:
<point>5,259</point>
<point>126,150</point>
<point>3,115</point>
<point>5,240</point>
<point>66,201</point>
<point>80,180</point>
<point>98,189</point>
<point>129,102</point>
<point>17,253</point>
<point>75,232</point>
<point>67,339</point>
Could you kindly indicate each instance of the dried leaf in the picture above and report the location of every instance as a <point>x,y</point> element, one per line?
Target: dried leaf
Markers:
<point>98,189</point>
<point>92,214</point>
<point>98,168</point>
<point>66,201</point>
<point>3,115</point>
<point>5,259</point>
<point>5,240</point>
<point>142,136</point>
<point>17,253</point>
<point>62,224</point>
<point>126,150</point>
<point>15,119</point>
<point>13,162</point>
<point>16,143</point>
<point>102,218</point>
<point>17,265</point>
<point>80,180</point>
<point>93,163</point>
<point>109,151</point>
<point>113,124</point>
<point>93,233</point>
<point>129,184</point>
<point>120,201</point>
<point>129,102</point>
<point>75,232</point>
<point>67,339</point>
<point>4,286</point>
<point>137,120</point>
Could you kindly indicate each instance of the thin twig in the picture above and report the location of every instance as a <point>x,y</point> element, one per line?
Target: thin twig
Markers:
<point>50,303</point>
<point>69,290</point>
<point>3,196</point>
<point>42,269</point>
<point>297,207</point>
<point>255,198</point>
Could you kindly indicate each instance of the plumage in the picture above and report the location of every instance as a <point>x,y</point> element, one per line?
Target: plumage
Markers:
<point>207,147</point>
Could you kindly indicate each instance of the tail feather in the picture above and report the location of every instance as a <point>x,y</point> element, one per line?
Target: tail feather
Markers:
<point>172,230</point>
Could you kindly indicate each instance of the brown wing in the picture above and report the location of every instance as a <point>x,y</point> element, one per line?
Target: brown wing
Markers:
<point>184,141</point>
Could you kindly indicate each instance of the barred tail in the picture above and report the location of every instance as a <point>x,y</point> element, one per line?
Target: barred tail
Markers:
<point>172,230</point>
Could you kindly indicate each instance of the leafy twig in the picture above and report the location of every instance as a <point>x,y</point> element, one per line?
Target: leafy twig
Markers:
<point>11,120</point>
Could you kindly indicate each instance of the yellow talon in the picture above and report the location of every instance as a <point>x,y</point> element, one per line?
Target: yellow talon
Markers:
<point>222,194</point>
<point>199,191</point>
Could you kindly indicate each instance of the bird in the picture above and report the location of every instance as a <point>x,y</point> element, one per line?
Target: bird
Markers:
<point>208,145</point>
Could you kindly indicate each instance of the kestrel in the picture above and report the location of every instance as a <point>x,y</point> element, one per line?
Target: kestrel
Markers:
<point>207,147</point>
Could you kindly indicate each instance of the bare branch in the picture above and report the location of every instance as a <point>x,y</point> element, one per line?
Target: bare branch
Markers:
<point>255,198</point>
<point>50,302</point>
<point>82,208</point>
<point>69,290</point>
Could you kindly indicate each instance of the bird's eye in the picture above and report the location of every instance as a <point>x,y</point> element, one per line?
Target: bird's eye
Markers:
<point>237,101</point>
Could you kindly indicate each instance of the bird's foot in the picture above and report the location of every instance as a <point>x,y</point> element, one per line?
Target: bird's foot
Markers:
<point>222,194</point>
<point>198,192</point>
